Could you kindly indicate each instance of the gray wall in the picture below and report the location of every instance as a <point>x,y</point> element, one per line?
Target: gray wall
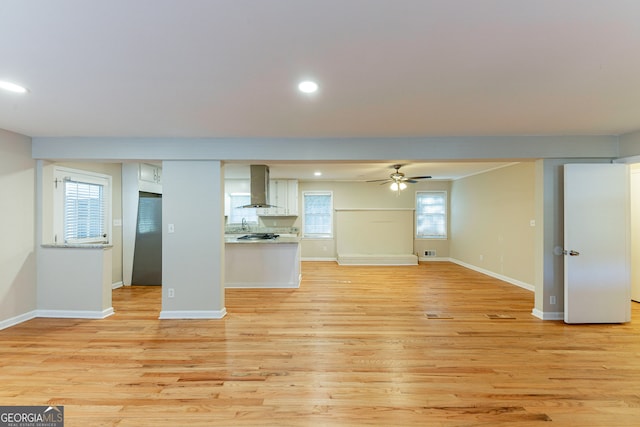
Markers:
<point>17,228</point>
<point>193,255</point>
<point>630,144</point>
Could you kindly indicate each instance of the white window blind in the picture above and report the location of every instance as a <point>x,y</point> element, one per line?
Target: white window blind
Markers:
<point>237,212</point>
<point>431,215</point>
<point>318,214</point>
<point>149,213</point>
<point>84,212</point>
<point>81,206</point>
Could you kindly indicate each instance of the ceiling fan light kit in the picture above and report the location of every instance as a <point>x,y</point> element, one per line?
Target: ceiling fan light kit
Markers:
<point>398,186</point>
<point>398,180</point>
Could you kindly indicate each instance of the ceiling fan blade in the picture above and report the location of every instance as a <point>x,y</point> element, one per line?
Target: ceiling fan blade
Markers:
<point>410,181</point>
<point>378,180</point>
<point>420,177</point>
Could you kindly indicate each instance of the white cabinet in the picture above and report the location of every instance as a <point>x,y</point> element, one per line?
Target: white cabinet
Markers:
<point>292,197</point>
<point>150,173</point>
<point>283,196</point>
<point>150,178</point>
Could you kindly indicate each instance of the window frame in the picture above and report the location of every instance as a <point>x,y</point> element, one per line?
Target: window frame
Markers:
<point>62,174</point>
<point>445,214</point>
<point>252,213</point>
<point>309,236</point>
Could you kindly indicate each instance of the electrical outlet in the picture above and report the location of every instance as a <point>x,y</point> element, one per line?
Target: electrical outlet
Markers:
<point>171,228</point>
<point>552,299</point>
<point>171,293</point>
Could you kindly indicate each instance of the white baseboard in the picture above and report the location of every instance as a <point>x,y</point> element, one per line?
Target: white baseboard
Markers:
<point>261,285</point>
<point>432,258</point>
<point>76,314</point>
<point>193,314</point>
<point>18,319</point>
<point>548,315</point>
<point>518,283</point>
<point>319,259</point>
<point>117,285</point>
<point>378,259</point>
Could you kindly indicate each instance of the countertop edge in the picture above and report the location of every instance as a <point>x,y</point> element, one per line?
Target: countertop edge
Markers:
<point>76,246</point>
<point>279,240</point>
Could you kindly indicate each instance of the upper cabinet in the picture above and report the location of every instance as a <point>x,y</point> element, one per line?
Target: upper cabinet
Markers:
<point>283,196</point>
<point>150,178</point>
<point>150,173</point>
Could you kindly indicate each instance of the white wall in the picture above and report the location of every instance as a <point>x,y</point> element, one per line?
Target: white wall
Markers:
<point>17,228</point>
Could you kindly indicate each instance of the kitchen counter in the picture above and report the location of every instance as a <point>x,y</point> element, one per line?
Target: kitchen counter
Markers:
<point>269,263</point>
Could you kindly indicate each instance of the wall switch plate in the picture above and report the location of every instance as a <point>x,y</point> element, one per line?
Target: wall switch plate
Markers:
<point>171,228</point>
<point>552,299</point>
<point>171,293</point>
<point>532,223</point>
<point>117,223</point>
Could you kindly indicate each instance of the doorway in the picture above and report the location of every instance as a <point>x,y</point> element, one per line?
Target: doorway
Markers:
<point>147,257</point>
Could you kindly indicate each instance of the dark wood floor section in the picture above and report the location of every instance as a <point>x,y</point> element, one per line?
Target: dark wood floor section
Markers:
<point>429,345</point>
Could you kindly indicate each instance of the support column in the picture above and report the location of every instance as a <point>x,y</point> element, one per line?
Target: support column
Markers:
<point>193,240</point>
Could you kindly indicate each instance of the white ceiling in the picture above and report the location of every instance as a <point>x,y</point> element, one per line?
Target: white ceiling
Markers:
<point>229,68</point>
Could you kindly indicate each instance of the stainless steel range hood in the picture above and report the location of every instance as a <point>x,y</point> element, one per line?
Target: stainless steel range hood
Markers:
<point>259,187</point>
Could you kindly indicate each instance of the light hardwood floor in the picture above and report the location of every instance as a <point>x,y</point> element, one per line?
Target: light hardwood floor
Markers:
<point>429,345</point>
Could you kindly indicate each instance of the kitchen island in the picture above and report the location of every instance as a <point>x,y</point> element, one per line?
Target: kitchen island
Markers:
<point>262,263</point>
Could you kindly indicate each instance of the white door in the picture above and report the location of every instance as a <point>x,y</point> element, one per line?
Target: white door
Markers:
<point>597,243</point>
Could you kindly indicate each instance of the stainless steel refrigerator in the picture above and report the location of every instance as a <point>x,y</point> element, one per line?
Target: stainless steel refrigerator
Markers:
<point>147,255</point>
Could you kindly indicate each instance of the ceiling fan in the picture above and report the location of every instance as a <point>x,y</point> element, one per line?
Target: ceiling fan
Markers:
<point>398,180</point>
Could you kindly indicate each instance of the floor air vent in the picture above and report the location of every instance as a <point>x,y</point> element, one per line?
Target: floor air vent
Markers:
<point>437,316</point>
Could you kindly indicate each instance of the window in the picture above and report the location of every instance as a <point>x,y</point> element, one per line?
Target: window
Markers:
<point>317,214</point>
<point>236,211</point>
<point>82,206</point>
<point>83,211</point>
<point>431,215</point>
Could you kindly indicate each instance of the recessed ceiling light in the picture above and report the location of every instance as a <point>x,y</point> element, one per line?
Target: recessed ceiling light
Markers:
<point>308,86</point>
<point>317,173</point>
<point>12,87</point>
